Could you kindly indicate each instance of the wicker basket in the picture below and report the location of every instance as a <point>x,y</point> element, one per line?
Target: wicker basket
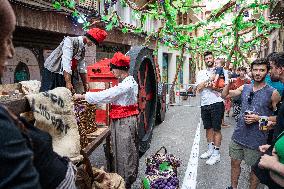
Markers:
<point>85,116</point>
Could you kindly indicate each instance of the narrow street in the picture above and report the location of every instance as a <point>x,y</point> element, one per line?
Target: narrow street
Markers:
<point>177,133</point>
<point>88,75</point>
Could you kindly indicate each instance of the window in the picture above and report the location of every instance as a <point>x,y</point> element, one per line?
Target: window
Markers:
<point>165,67</point>
<point>274,44</point>
<point>265,52</point>
<point>180,73</point>
<point>21,73</point>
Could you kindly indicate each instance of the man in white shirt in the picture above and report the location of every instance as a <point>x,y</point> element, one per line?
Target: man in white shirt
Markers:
<point>212,109</point>
<point>68,59</point>
<point>123,113</point>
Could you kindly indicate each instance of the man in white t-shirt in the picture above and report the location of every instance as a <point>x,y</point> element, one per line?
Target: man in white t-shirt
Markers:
<point>212,109</point>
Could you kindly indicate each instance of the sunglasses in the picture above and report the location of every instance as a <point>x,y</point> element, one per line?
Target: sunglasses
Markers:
<point>250,98</point>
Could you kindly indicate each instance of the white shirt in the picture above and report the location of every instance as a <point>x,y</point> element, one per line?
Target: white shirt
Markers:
<point>124,94</point>
<point>209,96</point>
<point>67,50</point>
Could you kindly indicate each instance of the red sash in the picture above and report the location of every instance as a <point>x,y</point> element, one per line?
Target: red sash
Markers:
<point>74,64</point>
<point>118,111</point>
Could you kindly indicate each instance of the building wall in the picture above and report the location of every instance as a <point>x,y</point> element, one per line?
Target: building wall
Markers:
<point>42,31</point>
<point>25,56</point>
<point>276,40</point>
<point>172,64</point>
<point>186,70</point>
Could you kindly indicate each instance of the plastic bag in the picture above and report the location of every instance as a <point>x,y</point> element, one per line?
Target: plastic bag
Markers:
<point>161,171</point>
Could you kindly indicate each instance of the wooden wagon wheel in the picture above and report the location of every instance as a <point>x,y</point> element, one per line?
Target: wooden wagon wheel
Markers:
<point>142,68</point>
<point>145,95</point>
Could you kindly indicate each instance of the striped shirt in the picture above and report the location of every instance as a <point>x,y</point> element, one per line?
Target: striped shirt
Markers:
<point>69,181</point>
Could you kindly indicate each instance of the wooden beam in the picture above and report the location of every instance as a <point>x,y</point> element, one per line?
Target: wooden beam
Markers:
<point>135,7</point>
<point>50,21</point>
<point>95,143</point>
<point>17,106</point>
<point>243,32</point>
<point>226,7</point>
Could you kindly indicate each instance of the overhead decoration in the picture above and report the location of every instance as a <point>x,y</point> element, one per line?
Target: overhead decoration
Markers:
<point>234,38</point>
<point>235,30</point>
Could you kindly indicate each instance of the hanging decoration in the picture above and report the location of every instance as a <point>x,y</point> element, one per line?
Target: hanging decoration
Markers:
<point>233,38</point>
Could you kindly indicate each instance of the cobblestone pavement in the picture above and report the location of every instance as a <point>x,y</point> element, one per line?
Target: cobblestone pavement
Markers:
<point>176,133</point>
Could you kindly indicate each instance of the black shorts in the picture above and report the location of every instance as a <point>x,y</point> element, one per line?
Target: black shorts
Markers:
<point>212,115</point>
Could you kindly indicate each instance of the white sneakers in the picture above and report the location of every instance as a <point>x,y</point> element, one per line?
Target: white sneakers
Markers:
<point>206,154</point>
<point>213,158</point>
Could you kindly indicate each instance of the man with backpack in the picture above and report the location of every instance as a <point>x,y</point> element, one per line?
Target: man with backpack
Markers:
<point>68,59</point>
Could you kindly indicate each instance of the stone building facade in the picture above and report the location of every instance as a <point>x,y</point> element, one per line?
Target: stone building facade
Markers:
<point>275,42</point>
<point>40,29</point>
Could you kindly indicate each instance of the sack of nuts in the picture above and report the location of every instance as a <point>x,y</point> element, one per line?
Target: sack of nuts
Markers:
<point>103,180</point>
<point>85,116</point>
<point>54,113</point>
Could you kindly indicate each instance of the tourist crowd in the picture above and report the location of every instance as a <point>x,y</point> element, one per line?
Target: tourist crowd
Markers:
<point>255,93</point>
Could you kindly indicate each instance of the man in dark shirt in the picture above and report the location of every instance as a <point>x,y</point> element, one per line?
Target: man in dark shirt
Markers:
<point>276,61</point>
<point>277,74</point>
<point>16,166</point>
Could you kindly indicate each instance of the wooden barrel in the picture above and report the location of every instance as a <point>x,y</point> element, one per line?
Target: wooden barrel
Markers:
<point>142,68</point>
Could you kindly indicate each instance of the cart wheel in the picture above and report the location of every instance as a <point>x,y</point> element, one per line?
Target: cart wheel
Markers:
<point>142,68</point>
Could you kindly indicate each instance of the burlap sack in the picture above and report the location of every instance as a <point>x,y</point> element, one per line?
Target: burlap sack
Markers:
<point>53,112</point>
<point>83,179</point>
<point>30,87</point>
<point>104,180</point>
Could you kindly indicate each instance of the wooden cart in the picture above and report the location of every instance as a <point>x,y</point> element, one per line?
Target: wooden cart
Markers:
<point>20,105</point>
